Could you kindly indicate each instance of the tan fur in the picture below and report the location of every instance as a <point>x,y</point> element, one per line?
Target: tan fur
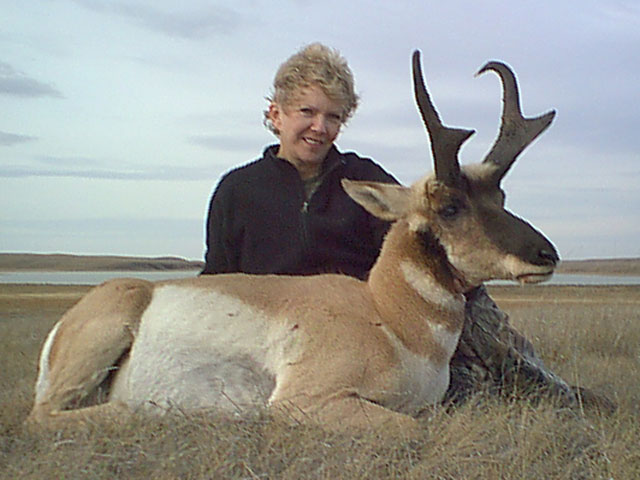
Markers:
<point>326,348</point>
<point>89,340</point>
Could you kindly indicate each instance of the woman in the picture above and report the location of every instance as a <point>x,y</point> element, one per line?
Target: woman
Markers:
<point>287,212</point>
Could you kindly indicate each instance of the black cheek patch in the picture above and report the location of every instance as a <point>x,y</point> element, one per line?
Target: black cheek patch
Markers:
<point>435,256</point>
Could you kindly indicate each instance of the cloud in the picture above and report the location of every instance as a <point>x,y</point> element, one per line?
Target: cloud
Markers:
<point>10,139</point>
<point>80,167</point>
<point>222,142</point>
<point>203,23</point>
<point>158,236</point>
<point>13,82</point>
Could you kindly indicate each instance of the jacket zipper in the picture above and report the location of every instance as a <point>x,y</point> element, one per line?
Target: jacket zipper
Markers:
<point>304,217</point>
<point>306,237</point>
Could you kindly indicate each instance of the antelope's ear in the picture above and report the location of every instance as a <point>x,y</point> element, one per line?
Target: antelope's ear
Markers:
<point>387,201</point>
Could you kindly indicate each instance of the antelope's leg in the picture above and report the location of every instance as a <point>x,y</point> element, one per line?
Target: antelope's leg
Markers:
<point>87,343</point>
<point>347,411</point>
<point>111,412</point>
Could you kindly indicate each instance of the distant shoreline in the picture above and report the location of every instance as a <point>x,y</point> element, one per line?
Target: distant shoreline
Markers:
<point>610,266</point>
<point>18,262</point>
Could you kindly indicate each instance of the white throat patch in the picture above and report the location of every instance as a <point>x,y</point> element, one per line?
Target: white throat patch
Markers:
<point>429,289</point>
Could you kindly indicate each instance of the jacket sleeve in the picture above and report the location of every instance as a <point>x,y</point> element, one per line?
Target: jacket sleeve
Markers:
<point>221,250</point>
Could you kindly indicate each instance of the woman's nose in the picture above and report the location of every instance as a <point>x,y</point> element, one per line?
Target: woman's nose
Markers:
<point>319,124</point>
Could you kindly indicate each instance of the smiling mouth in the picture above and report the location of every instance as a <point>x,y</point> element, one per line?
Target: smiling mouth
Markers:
<point>313,142</point>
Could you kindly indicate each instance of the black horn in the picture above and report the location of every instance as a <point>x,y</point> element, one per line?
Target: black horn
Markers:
<point>445,141</point>
<point>516,131</point>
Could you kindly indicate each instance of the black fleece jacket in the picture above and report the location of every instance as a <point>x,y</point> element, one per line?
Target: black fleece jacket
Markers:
<point>261,222</point>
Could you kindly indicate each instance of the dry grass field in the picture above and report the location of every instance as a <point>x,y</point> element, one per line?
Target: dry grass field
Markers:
<point>588,335</point>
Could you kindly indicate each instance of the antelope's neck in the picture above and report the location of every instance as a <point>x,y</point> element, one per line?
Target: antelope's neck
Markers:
<point>416,291</point>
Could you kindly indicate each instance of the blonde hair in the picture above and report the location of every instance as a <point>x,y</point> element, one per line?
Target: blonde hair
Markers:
<point>314,65</point>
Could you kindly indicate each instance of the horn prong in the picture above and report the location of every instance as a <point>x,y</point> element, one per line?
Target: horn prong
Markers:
<point>516,131</point>
<point>445,141</point>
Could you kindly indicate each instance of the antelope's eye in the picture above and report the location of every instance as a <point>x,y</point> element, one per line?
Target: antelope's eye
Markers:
<point>449,211</point>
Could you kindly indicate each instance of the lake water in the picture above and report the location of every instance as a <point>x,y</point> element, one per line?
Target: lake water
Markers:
<point>94,278</point>
<point>578,279</point>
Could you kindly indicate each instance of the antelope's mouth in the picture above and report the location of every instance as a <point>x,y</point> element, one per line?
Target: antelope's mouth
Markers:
<point>529,278</point>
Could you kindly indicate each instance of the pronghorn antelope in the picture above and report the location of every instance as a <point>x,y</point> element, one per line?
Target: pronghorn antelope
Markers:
<point>328,348</point>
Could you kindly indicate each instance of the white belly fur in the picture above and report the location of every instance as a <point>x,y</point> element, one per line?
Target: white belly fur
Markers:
<point>202,349</point>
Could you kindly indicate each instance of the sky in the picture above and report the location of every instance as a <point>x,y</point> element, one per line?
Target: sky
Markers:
<point>118,117</point>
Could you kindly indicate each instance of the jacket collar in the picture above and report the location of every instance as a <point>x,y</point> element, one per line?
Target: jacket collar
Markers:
<point>333,159</point>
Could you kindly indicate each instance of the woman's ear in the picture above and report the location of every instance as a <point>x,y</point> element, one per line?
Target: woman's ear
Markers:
<point>275,115</point>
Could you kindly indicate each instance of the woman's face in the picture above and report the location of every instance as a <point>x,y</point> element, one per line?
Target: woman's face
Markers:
<point>308,128</point>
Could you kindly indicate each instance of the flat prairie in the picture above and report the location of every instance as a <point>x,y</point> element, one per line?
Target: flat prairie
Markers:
<point>589,335</point>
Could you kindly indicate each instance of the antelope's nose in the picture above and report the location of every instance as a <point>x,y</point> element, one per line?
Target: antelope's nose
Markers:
<point>548,257</point>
